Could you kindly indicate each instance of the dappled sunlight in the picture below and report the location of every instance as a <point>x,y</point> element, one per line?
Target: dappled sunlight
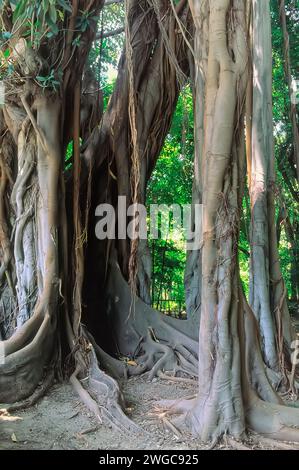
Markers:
<point>7,417</point>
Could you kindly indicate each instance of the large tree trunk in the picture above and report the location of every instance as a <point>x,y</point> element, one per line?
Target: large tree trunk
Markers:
<point>35,196</point>
<point>232,379</point>
<point>34,133</point>
<point>268,297</point>
<point>218,407</point>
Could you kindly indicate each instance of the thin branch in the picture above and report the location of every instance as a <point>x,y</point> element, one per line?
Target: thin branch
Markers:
<point>38,130</point>
<point>174,9</point>
<point>243,250</point>
<point>112,2</point>
<point>109,34</point>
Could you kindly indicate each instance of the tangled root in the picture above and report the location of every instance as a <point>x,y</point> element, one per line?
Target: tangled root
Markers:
<point>102,396</point>
<point>158,357</point>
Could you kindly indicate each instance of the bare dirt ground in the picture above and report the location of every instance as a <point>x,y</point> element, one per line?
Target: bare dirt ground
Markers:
<point>60,421</point>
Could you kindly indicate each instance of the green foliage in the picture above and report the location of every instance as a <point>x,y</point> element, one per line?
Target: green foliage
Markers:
<point>85,21</point>
<point>105,52</point>
<point>171,183</point>
<point>36,23</point>
<point>52,80</point>
<point>38,17</point>
<point>69,155</point>
<point>171,180</point>
<point>287,186</point>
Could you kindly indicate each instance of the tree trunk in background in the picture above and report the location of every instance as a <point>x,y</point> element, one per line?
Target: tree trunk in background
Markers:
<point>155,104</point>
<point>126,326</point>
<point>288,77</point>
<point>193,262</point>
<point>291,233</point>
<point>267,290</point>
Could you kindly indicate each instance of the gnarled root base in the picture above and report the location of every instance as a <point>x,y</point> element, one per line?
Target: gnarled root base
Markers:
<point>155,342</point>
<point>276,422</point>
<point>102,396</point>
<point>235,406</point>
<point>37,394</point>
<point>28,353</point>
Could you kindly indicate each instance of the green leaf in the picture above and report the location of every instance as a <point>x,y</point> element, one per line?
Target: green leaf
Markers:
<point>51,24</point>
<point>65,5</point>
<point>6,35</point>
<point>53,13</point>
<point>41,79</point>
<point>10,69</point>
<point>20,9</point>
<point>60,14</point>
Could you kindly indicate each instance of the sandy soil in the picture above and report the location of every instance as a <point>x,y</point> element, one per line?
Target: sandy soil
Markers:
<point>60,421</point>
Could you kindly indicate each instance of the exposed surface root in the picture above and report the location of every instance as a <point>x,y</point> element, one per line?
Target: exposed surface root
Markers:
<point>157,357</point>
<point>116,368</point>
<point>272,443</point>
<point>155,342</point>
<point>272,420</point>
<point>85,397</point>
<point>107,393</point>
<point>172,378</point>
<point>237,445</point>
<point>174,407</point>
